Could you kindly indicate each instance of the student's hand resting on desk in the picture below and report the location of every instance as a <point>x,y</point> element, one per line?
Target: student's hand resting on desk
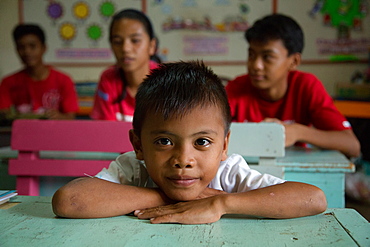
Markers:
<point>344,141</point>
<point>210,192</point>
<point>206,210</point>
<point>55,114</point>
<point>290,131</point>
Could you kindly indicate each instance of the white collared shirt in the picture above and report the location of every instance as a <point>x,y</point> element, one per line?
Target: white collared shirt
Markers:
<point>233,175</point>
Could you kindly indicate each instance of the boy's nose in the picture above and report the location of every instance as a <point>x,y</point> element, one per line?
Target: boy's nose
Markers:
<point>256,64</point>
<point>183,159</point>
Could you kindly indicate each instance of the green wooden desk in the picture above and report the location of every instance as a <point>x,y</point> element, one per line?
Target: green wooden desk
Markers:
<point>32,223</point>
<point>323,168</point>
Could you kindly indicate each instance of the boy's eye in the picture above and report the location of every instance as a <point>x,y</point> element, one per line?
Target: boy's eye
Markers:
<point>268,57</point>
<point>202,142</point>
<point>164,141</point>
<point>135,41</point>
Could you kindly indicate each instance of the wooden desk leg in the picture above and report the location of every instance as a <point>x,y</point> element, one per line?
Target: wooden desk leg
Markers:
<point>28,186</point>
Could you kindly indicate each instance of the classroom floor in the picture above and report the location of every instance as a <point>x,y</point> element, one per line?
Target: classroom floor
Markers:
<point>361,207</point>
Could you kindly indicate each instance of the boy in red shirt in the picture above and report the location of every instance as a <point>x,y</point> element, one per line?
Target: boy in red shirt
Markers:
<point>37,89</point>
<point>274,91</point>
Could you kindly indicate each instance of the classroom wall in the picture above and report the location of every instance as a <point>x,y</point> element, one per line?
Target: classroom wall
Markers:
<point>329,74</point>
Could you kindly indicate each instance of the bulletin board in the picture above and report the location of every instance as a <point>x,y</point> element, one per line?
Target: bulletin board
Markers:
<point>76,31</point>
<point>211,30</point>
<point>325,40</point>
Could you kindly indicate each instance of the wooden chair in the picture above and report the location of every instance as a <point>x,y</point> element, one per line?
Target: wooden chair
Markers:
<point>70,138</point>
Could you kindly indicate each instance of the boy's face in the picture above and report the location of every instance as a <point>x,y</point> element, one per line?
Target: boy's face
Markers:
<point>30,49</point>
<point>269,64</point>
<point>182,155</point>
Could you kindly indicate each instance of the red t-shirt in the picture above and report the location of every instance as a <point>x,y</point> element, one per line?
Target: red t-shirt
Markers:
<point>109,90</point>
<point>57,91</point>
<point>306,102</point>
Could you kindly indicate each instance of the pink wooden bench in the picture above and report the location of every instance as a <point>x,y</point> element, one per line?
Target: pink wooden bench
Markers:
<point>30,137</point>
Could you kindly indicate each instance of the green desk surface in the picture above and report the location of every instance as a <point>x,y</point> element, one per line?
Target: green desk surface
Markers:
<point>32,223</point>
<point>311,160</point>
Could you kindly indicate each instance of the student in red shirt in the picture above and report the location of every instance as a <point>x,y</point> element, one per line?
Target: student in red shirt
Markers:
<point>133,43</point>
<point>37,89</point>
<point>274,91</point>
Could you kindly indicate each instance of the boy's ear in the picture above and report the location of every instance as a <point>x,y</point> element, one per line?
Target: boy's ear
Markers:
<point>225,147</point>
<point>136,144</point>
<point>153,46</point>
<point>44,48</point>
<point>295,61</point>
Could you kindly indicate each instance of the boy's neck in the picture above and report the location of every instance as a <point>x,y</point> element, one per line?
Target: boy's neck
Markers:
<point>39,72</point>
<point>274,93</point>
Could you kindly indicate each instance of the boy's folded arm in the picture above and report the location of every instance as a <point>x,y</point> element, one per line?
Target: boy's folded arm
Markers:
<point>286,200</point>
<point>97,198</point>
<point>344,141</point>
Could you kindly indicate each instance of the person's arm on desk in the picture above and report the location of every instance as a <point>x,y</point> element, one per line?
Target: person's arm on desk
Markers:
<point>49,114</point>
<point>344,141</point>
<point>287,200</point>
<point>97,198</point>
<point>55,114</point>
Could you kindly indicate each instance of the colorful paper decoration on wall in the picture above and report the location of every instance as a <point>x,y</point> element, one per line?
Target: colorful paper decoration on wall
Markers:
<point>54,10</point>
<point>107,9</point>
<point>81,10</point>
<point>345,15</point>
<point>342,14</point>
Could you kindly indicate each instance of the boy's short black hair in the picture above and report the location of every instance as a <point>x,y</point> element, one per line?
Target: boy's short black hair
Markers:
<point>25,29</point>
<point>174,89</point>
<point>277,27</point>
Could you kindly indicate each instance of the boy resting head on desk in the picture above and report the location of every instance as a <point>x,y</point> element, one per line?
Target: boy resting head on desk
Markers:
<point>180,171</point>
<point>274,91</point>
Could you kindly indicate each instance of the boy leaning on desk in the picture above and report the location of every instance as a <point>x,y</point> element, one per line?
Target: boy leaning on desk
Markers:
<point>180,171</point>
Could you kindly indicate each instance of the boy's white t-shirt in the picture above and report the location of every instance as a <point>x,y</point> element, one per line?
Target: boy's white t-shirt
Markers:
<point>233,175</point>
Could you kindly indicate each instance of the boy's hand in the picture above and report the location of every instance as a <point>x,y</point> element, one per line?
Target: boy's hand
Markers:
<point>273,120</point>
<point>200,211</point>
<point>290,131</point>
<point>210,192</point>
<point>291,134</point>
<point>53,114</point>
